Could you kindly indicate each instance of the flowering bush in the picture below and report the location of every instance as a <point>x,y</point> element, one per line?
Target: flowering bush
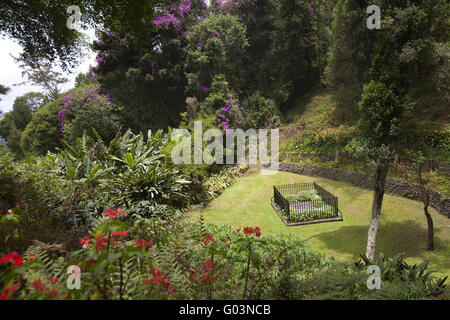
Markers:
<point>217,263</point>
<point>87,108</point>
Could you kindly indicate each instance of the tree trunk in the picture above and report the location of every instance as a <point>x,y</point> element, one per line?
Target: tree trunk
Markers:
<point>396,159</point>
<point>430,242</point>
<point>426,202</point>
<point>336,158</point>
<point>380,180</point>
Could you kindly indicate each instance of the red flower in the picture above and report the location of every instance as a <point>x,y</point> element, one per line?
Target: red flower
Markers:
<point>140,242</point>
<point>118,234</point>
<point>53,293</point>
<point>201,280</point>
<point>207,276</point>
<point>208,238</point>
<point>8,291</point>
<point>256,231</point>
<point>157,278</point>
<point>38,285</point>
<point>100,242</point>
<point>114,214</point>
<point>192,276</point>
<point>31,256</point>
<point>86,240</point>
<point>53,280</point>
<point>207,265</point>
<point>13,257</point>
<point>114,240</point>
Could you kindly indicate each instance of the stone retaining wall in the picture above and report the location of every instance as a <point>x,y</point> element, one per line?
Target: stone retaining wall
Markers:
<point>405,189</point>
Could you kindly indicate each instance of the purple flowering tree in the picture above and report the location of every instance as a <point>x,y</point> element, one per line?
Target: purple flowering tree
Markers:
<point>87,108</point>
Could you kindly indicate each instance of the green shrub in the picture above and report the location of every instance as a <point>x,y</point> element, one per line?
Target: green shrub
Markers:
<point>349,282</point>
<point>87,108</point>
<point>261,113</point>
<point>42,134</point>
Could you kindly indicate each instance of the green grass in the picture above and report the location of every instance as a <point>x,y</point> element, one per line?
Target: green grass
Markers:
<point>403,227</point>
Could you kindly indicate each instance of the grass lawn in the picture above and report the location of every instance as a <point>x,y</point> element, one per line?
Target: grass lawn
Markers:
<point>403,226</point>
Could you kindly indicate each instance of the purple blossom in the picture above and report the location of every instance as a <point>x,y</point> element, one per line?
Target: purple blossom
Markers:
<point>154,67</point>
<point>229,105</point>
<point>201,44</point>
<point>205,89</point>
<point>180,9</point>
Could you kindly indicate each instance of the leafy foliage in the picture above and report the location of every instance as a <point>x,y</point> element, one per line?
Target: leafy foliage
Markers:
<point>261,112</point>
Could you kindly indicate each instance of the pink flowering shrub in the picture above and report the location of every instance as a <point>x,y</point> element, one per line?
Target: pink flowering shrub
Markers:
<point>86,108</point>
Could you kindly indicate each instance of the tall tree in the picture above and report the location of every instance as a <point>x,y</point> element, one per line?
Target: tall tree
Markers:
<point>294,49</point>
<point>216,46</point>
<point>381,114</point>
<point>14,122</point>
<point>419,162</point>
<point>40,26</point>
<point>40,29</point>
<point>387,66</point>
<point>416,31</point>
<point>149,78</point>
<point>34,100</point>
<point>3,90</point>
<point>44,76</point>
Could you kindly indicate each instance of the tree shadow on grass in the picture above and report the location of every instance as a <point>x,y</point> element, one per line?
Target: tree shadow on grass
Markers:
<point>406,237</point>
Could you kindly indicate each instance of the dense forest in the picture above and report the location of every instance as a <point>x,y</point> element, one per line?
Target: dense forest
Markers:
<point>87,179</point>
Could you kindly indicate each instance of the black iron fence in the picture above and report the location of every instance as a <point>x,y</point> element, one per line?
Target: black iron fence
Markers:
<point>321,205</point>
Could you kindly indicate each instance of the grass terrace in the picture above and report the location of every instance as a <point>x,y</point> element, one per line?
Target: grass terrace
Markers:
<point>403,226</point>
